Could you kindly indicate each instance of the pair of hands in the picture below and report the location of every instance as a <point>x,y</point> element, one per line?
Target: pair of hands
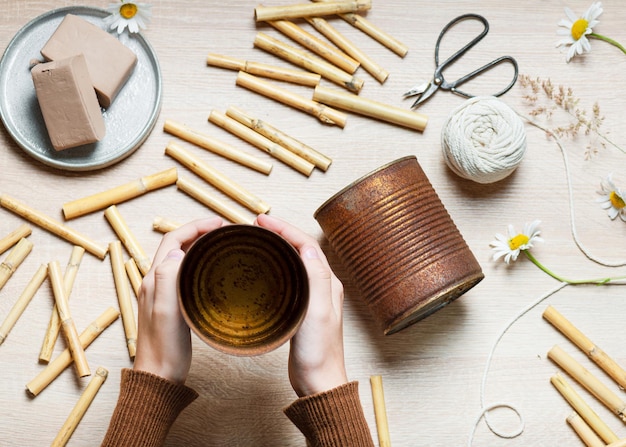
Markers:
<point>316,358</point>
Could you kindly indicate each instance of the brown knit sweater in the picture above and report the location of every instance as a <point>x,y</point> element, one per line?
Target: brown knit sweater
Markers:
<point>148,405</point>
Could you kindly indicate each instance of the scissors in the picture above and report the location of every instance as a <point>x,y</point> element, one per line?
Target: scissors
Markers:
<point>426,90</point>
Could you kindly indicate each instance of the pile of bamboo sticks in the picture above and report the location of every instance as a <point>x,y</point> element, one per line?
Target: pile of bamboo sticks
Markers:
<point>591,429</point>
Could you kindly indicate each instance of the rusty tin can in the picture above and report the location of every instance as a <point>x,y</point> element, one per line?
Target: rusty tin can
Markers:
<point>398,243</point>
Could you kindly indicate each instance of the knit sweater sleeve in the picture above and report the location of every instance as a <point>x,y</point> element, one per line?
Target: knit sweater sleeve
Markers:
<point>146,408</point>
<point>332,419</point>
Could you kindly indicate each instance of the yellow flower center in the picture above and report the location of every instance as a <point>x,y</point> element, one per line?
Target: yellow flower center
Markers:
<point>128,10</point>
<point>578,28</point>
<point>616,200</point>
<point>517,241</point>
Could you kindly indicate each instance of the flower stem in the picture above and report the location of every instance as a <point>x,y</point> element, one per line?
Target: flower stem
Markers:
<point>609,40</point>
<point>569,281</point>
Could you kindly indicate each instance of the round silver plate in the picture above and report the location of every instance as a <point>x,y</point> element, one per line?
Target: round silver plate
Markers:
<point>128,120</point>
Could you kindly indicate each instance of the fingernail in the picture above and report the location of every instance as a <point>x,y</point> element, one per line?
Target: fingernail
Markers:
<point>175,254</point>
<point>311,253</point>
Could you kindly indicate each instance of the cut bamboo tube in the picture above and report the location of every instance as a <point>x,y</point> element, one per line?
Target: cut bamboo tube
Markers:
<point>299,77</point>
<point>122,289</point>
<point>163,225</point>
<point>320,160</point>
<point>316,45</point>
<point>81,407</point>
<point>119,194</point>
<point>14,236</point>
<point>127,238</point>
<point>24,299</point>
<point>367,107</point>
<point>211,144</point>
<point>56,366</point>
<point>216,179</point>
<point>596,354</point>
<point>584,432</point>
<point>134,275</point>
<point>13,260</point>
<point>206,198</point>
<point>362,24</point>
<point>275,150</point>
<point>67,323</point>
<point>52,225</point>
<point>368,64</point>
<point>588,381</point>
<point>323,113</point>
<point>380,412</point>
<point>54,324</point>
<point>584,410</point>
<point>266,13</point>
<point>308,61</point>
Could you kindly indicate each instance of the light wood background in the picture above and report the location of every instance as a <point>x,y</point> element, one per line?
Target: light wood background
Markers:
<point>432,371</point>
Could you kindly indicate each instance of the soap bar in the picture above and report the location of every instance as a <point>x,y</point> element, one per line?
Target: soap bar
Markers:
<point>109,61</point>
<point>68,102</point>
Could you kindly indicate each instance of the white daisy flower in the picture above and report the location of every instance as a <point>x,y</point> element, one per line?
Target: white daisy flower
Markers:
<point>129,14</point>
<point>613,199</point>
<point>512,245</point>
<point>576,30</point>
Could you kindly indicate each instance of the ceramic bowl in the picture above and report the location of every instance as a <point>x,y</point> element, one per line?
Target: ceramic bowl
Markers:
<point>243,289</point>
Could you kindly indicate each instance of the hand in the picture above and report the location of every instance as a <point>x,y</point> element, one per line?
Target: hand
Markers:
<point>163,339</point>
<point>316,358</point>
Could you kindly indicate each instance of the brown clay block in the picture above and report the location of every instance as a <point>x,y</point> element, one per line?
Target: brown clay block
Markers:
<point>109,61</point>
<point>68,102</point>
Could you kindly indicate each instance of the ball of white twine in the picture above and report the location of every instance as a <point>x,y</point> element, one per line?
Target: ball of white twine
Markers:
<point>483,140</point>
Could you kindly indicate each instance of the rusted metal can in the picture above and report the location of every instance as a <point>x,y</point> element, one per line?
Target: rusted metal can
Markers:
<point>398,243</point>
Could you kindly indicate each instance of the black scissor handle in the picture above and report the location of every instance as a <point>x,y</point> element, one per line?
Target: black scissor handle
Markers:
<point>452,86</point>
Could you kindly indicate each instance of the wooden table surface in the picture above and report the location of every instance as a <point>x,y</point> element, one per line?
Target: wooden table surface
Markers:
<point>433,370</point>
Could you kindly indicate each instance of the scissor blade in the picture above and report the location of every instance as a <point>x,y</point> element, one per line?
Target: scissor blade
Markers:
<point>418,89</point>
<point>432,88</point>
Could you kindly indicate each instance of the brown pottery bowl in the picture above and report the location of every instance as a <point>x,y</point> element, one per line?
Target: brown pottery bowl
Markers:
<point>243,289</point>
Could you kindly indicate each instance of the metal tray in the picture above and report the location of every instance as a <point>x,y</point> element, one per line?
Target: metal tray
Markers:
<point>129,120</point>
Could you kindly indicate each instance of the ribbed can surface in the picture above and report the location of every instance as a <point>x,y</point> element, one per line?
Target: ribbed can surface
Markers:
<point>399,244</point>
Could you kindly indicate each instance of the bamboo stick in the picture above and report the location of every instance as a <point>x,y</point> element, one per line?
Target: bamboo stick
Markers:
<point>584,410</point>
<point>122,289</point>
<point>308,61</point>
<point>275,150</point>
<point>81,407</point>
<point>216,178</point>
<point>367,107</point>
<point>13,260</point>
<point>320,160</point>
<point>368,64</point>
<point>134,275</point>
<point>14,236</point>
<point>364,25</point>
<point>323,113</point>
<point>206,198</point>
<point>380,412</point>
<point>24,299</point>
<point>316,45</point>
<point>588,381</point>
<point>267,13</point>
<point>596,354</point>
<point>620,443</point>
<point>225,150</point>
<point>584,432</point>
<point>54,324</point>
<point>67,323</point>
<point>52,225</point>
<point>119,194</point>
<point>56,366</point>
<point>127,238</point>
<point>299,77</point>
<point>163,225</point>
